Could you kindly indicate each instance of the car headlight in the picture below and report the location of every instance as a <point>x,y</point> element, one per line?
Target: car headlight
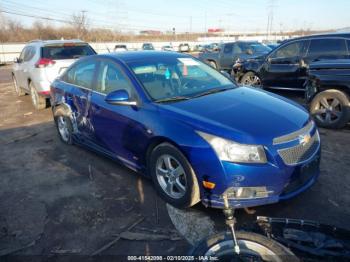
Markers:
<point>231,151</point>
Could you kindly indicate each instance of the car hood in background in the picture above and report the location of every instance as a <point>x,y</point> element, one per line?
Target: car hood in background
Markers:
<point>245,115</point>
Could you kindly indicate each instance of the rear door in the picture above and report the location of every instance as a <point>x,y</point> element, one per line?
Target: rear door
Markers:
<point>63,56</point>
<point>80,79</point>
<point>22,67</point>
<point>284,68</point>
<point>113,124</point>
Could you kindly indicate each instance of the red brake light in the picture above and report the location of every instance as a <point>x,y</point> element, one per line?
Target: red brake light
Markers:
<point>44,62</point>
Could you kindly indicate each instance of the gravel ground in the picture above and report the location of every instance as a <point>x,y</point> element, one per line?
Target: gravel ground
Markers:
<point>59,199</point>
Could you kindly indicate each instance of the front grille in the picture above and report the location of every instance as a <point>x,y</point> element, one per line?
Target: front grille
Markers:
<point>301,152</point>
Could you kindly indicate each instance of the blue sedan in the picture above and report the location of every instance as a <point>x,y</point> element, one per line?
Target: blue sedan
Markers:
<point>188,127</point>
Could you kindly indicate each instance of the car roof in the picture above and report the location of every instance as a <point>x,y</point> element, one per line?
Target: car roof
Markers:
<point>50,42</point>
<point>143,55</point>
<point>344,35</point>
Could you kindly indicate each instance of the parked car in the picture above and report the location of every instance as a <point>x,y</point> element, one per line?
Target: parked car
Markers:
<point>167,48</point>
<point>184,47</point>
<point>328,92</point>
<point>147,46</point>
<point>120,48</point>
<point>40,62</point>
<point>285,67</point>
<point>188,127</point>
<point>227,54</point>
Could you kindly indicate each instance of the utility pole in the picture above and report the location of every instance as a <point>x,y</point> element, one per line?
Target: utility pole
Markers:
<point>190,24</point>
<point>270,11</point>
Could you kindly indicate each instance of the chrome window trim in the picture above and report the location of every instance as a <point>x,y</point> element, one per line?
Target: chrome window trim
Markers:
<point>294,135</point>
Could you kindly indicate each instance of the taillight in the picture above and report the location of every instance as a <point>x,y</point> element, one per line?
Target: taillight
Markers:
<point>44,62</point>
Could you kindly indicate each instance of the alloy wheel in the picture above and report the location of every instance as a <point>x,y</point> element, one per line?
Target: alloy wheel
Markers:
<point>328,110</point>
<point>15,85</point>
<point>63,128</point>
<point>252,80</point>
<point>171,176</point>
<point>34,95</point>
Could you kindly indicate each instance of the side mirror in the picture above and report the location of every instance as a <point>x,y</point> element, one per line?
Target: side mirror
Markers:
<point>249,52</point>
<point>17,60</point>
<point>120,97</point>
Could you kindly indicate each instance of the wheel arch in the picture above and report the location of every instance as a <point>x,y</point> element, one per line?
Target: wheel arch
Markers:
<point>63,109</point>
<point>156,141</point>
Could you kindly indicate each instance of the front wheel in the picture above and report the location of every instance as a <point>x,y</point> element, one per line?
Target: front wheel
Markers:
<point>253,247</point>
<point>331,109</point>
<point>19,91</point>
<point>251,79</point>
<point>173,176</point>
<point>213,64</point>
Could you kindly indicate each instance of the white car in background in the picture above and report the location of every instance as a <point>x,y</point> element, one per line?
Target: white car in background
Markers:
<point>40,62</point>
<point>167,48</point>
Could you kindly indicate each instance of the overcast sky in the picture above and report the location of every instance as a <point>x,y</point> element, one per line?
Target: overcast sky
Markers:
<point>190,15</point>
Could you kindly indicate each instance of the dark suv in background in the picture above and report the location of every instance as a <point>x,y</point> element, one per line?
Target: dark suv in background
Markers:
<point>328,92</point>
<point>286,66</point>
<point>223,57</point>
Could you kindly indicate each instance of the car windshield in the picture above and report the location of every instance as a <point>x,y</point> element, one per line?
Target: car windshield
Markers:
<point>259,48</point>
<point>174,78</point>
<point>68,51</point>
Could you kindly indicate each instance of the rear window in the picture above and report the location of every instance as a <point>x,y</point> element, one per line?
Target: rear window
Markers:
<point>66,52</point>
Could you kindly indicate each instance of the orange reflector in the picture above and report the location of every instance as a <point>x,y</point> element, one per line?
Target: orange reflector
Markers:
<point>208,185</point>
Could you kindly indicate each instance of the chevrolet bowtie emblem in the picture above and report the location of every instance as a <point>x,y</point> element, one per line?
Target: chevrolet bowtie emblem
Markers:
<point>304,139</point>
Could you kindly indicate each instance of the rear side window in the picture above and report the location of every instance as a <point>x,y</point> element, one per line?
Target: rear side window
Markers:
<point>81,74</point>
<point>66,52</point>
<point>328,48</point>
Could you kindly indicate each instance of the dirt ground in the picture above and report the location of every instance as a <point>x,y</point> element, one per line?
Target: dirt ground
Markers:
<point>57,199</point>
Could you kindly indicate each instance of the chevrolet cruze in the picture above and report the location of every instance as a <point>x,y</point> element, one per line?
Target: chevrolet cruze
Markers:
<point>188,127</point>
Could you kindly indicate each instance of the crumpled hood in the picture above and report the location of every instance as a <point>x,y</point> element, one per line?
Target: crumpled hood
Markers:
<point>243,114</point>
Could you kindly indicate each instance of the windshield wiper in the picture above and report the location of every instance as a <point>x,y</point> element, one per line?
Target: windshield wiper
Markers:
<point>172,99</point>
<point>212,91</point>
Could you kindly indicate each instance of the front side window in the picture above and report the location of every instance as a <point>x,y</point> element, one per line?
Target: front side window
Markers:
<point>228,48</point>
<point>169,77</point>
<point>328,48</point>
<point>111,78</point>
<point>289,50</point>
<point>82,74</point>
<point>29,54</point>
<point>23,53</point>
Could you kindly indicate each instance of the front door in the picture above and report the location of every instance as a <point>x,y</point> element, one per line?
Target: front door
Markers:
<point>114,125</point>
<point>284,68</point>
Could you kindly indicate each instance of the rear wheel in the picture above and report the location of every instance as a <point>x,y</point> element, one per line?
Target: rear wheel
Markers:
<point>19,91</point>
<point>251,79</point>
<point>64,128</point>
<point>173,176</point>
<point>39,102</point>
<point>331,109</point>
<point>253,247</point>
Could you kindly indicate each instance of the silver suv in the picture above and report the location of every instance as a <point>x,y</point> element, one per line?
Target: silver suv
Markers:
<point>40,62</point>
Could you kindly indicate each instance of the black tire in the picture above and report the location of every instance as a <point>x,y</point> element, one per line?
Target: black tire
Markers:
<point>333,116</point>
<point>69,139</point>
<point>222,246</point>
<point>192,194</point>
<point>39,102</point>
<point>213,64</point>
<point>19,91</point>
<point>247,80</point>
